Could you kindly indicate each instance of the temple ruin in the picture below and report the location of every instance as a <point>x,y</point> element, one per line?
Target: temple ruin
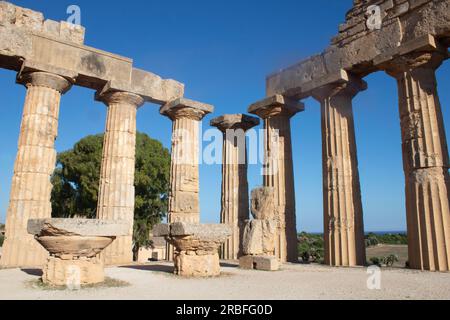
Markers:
<point>409,43</point>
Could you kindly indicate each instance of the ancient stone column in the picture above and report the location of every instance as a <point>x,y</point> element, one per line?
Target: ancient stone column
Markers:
<point>116,192</point>
<point>184,172</point>
<point>425,160</point>
<point>343,214</point>
<point>278,172</point>
<point>235,202</point>
<point>35,162</point>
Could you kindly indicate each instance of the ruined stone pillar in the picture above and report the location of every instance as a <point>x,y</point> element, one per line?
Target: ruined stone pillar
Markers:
<point>343,214</point>
<point>278,172</point>
<point>425,160</point>
<point>184,172</point>
<point>116,192</point>
<point>35,162</point>
<point>235,202</point>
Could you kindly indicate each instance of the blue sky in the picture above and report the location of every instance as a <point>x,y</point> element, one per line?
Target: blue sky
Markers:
<point>222,51</point>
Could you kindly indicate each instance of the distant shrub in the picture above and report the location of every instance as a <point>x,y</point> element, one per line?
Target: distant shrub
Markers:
<point>2,238</point>
<point>375,261</point>
<point>390,260</point>
<point>373,239</point>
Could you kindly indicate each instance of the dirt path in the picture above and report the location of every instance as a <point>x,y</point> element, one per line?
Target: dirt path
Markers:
<point>154,281</point>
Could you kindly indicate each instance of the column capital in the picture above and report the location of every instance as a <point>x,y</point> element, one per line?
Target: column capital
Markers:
<point>45,79</point>
<point>275,106</point>
<point>120,97</point>
<point>234,122</point>
<point>350,88</point>
<point>431,59</point>
<point>186,108</point>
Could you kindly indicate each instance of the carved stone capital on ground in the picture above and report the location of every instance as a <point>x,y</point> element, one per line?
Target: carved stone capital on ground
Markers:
<point>186,108</point>
<point>234,122</point>
<point>45,79</point>
<point>196,246</point>
<point>276,105</point>
<point>120,97</point>
<point>74,245</point>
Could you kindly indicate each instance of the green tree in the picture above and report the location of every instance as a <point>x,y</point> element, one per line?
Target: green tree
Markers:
<point>77,176</point>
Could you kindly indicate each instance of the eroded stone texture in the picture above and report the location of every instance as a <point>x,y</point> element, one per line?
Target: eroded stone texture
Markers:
<point>278,171</point>
<point>261,234</point>
<point>425,159</point>
<point>234,199</point>
<point>116,192</point>
<point>343,214</point>
<point>359,49</point>
<point>196,246</point>
<point>184,175</point>
<point>35,162</point>
<point>74,246</point>
<point>26,35</point>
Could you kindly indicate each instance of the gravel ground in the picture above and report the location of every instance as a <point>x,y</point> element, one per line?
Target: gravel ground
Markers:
<point>154,281</point>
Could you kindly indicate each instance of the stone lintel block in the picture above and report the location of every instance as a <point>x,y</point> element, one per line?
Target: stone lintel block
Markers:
<point>277,103</point>
<point>425,43</point>
<point>205,232</point>
<point>78,227</point>
<point>263,263</point>
<point>148,85</point>
<point>161,230</point>
<point>183,107</point>
<point>30,66</point>
<point>234,121</point>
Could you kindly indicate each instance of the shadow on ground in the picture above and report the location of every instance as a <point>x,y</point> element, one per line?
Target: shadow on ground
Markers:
<point>33,272</point>
<point>153,267</point>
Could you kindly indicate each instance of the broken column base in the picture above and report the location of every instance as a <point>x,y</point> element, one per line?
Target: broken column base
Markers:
<point>192,264</point>
<point>264,263</point>
<point>59,272</point>
<point>196,246</point>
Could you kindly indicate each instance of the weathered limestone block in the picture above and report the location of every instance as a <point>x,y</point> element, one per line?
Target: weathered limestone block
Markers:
<point>262,204</point>
<point>343,214</point>
<point>264,263</point>
<point>278,169</point>
<point>234,199</point>
<point>60,272</point>
<point>196,246</point>
<point>74,245</point>
<point>425,159</point>
<point>116,192</point>
<point>35,162</point>
<point>259,237</point>
<point>260,234</point>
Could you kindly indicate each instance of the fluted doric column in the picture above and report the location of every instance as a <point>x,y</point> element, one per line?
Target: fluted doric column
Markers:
<point>184,172</point>
<point>343,214</point>
<point>235,202</point>
<point>425,160</point>
<point>35,163</point>
<point>116,192</point>
<point>278,172</point>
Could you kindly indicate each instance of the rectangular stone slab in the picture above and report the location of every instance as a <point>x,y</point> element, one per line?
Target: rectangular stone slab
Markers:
<point>80,227</point>
<point>200,231</point>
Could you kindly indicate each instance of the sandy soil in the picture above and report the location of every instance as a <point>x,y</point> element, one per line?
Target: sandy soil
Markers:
<point>154,281</point>
<point>384,250</point>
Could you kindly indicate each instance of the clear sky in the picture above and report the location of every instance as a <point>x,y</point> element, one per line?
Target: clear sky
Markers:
<point>222,51</point>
